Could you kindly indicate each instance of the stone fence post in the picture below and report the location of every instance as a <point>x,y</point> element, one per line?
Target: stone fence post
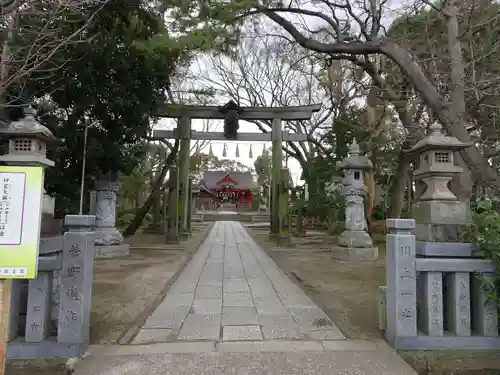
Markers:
<point>401,277</point>
<point>76,279</point>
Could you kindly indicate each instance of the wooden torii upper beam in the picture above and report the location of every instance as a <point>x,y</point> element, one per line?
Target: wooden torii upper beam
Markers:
<point>248,113</point>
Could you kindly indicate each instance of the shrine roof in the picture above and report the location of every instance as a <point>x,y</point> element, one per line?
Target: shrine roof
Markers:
<point>214,179</point>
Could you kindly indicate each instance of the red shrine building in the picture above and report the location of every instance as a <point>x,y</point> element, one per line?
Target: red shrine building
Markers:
<point>218,187</point>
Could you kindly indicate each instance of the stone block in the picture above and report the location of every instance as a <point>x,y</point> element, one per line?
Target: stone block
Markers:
<point>430,289</point>
<point>280,327</point>
<point>39,308</point>
<point>236,316</point>
<point>236,286</point>
<point>79,221</point>
<point>167,317</point>
<point>178,299</point>
<point>270,306</point>
<point>401,285</point>
<point>400,224</point>
<point>485,311</point>
<point>441,212</point>
<point>238,333</point>
<point>354,239</point>
<point>201,327</point>
<point>107,236</point>
<point>203,291</point>
<point>206,307</point>
<point>355,254</point>
<point>238,299</point>
<point>152,336</point>
<point>112,251</point>
<point>458,303</point>
<point>311,318</point>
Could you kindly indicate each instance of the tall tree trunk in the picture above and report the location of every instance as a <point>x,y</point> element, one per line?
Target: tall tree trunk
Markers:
<point>461,184</point>
<point>155,192</point>
<point>398,186</point>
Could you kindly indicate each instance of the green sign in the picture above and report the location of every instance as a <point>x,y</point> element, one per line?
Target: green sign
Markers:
<point>21,190</point>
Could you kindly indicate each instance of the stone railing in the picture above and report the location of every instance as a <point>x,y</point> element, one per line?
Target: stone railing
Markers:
<point>50,315</point>
<point>434,300</point>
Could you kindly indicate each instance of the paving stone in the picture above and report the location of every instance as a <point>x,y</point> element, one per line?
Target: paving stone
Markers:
<point>279,327</point>
<point>171,317</point>
<point>201,327</point>
<point>206,306</point>
<point>152,336</point>
<point>312,318</point>
<point>270,306</point>
<point>178,299</point>
<point>333,334</point>
<point>236,286</point>
<point>239,316</point>
<point>238,299</point>
<point>236,333</point>
<point>297,300</point>
<point>205,291</point>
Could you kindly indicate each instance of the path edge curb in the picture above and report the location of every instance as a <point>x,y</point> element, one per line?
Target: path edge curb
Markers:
<point>153,303</point>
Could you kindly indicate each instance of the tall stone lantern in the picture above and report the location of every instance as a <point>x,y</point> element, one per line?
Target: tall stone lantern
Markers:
<point>438,213</point>
<point>355,244</point>
<point>24,143</point>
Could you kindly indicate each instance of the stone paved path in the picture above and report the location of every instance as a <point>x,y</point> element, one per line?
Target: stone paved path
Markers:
<point>231,291</point>
<point>233,311</point>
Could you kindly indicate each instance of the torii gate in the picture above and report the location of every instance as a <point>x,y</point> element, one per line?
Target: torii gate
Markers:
<point>279,175</point>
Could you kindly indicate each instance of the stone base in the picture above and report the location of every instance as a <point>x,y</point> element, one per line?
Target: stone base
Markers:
<point>355,254</point>
<point>112,251</point>
<point>154,228</point>
<point>172,238</point>
<point>281,239</point>
<point>355,238</point>
<point>108,236</point>
<point>184,235</point>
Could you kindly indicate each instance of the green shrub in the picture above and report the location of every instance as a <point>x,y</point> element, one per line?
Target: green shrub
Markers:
<point>484,234</point>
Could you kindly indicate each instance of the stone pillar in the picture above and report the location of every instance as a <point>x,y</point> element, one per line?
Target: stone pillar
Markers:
<point>355,244</point>
<point>155,226</point>
<point>401,291</point>
<point>190,205</point>
<point>276,161</point>
<point>76,284</point>
<point>108,239</point>
<point>172,228</point>
<point>185,145</point>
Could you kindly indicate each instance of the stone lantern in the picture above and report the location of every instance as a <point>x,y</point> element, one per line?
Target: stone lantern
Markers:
<point>25,144</point>
<point>438,213</point>
<point>355,244</point>
<point>25,141</point>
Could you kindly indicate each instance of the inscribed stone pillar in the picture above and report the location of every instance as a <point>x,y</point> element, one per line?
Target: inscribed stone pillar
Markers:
<point>108,239</point>
<point>77,277</point>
